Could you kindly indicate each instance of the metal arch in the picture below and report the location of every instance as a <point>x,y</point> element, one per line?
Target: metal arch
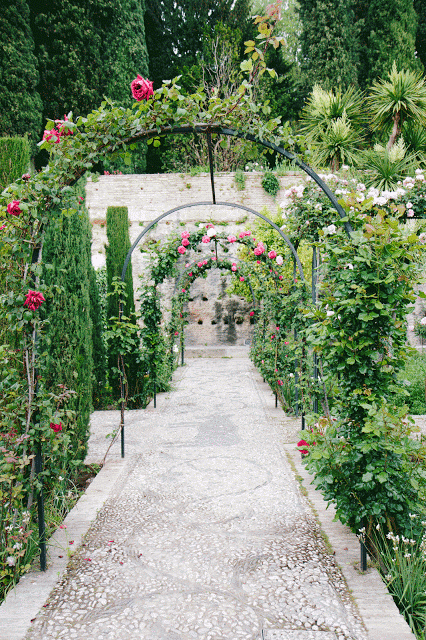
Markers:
<point>224,204</point>
<point>212,128</point>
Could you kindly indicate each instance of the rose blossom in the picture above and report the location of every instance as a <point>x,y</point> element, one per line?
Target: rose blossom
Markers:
<point>205,239</point>
<point>141,89</point>
<point>48,135</point>
<point>56,427</point>
<point>241,278</point>
<point>26,177</point>
<point>410,213</point>
<point>185,234</point>
<point>211,232</point>
<point>259,249</point>
<point>13,208</point>
<point>181,249</point>
<point>234,267</point>
<point>34,299</point>
<point>185,242</point>
<point>251,313</point>
<point>272,255</point>
<point>232,239</point>
<point>199,264</point>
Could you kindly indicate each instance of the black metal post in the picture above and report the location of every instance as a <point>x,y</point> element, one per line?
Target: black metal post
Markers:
<point>276,400</point>
<point>155,396</point>
<point>122,383</point>
<point>303,422</point>
<point>182,353</point>
<point>363,552</point>
<point>40,508</point>
<point>314,300</point>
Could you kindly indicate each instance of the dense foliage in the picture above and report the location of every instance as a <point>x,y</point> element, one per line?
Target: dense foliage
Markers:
<point>20,103</point>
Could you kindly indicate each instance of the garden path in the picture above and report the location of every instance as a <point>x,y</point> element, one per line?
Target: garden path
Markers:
<point>207,535</point>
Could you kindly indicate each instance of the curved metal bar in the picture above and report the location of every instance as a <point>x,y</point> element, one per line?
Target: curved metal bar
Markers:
<point>218,204</point>
<point>212,128</point>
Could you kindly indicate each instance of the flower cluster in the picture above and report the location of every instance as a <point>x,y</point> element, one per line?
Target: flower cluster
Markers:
<point>34,299</point>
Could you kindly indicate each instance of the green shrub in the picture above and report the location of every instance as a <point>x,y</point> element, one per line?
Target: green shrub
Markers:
<point>414,374</point>
<point>270,183</point>
<point>14,159</point>
<point>240,180</point>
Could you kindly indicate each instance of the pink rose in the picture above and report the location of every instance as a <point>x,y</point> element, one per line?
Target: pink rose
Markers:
<point>199,264</point>
<point>185,242</point>
<point>61,128</point>
<point>234,267</point>
<point>176,333</point>
<point>241,235</point>
<point>13,208</point>
<point>257,261</point>
<point>259,249</point>
<point>48,135</point>
<point>205,239</point>
<point>184,234</point>
<point>181,250</point>
<point>280,277</point>
<point>141,89</point>
<point>272,255</point>
<point>247,233</point>
<point>204,263</point>
<point>280,382</point>
<point>251,313</point>
<point>410,213</point>
<point>190,273</point>
<point>241,278</point>
<point>183,290</point>
<point>34,299</point>
<point>232,239</point>
<point>56,427</point>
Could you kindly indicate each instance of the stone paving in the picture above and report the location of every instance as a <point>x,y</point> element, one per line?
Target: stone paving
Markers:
<point>207,536</point>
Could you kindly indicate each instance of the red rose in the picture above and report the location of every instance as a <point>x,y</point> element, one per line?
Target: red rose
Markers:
<point>141,89</point>
<point>13,208</point>
<point>48,135</point>
<point>303,443</point>
<point>56,427</point>
<point>34,299</point>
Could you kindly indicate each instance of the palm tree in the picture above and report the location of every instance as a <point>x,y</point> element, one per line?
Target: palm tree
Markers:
<point>399,99</point>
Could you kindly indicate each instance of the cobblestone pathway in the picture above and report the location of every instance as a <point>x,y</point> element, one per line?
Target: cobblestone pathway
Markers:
<point>208,536</point>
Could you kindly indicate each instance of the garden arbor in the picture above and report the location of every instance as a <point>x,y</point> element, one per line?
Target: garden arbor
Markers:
<point>34,202</point>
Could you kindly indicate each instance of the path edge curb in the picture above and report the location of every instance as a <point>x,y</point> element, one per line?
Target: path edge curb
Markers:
<point>23,603</point>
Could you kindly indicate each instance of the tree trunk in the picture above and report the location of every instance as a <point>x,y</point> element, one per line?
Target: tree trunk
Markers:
<point>396,130</point>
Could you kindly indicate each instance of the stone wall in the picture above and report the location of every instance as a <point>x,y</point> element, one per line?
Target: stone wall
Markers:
<point>215,318</point>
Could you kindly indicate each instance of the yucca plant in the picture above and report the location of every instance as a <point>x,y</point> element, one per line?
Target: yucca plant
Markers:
<point>414,135</point>
<point>339,145</point>
<point>324,107</point>
<point>385,167</point>
<point>399,99</point>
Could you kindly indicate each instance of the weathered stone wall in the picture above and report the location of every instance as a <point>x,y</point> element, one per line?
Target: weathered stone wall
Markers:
<point>215,317</point>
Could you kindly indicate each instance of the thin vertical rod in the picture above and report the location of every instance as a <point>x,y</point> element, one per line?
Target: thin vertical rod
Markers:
<point>314,300</point>
<point>155,396</point>
<point>122,378</point>
<point>211,165</point>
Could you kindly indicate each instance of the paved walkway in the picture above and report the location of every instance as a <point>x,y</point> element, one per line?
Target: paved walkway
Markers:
<point>206,534</point>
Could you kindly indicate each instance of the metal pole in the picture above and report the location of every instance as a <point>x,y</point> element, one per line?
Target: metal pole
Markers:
<point>276,400</point>
<point>40,508</point>
<point>155,396</point>
<point>314,300</point>
<point>122,379</point>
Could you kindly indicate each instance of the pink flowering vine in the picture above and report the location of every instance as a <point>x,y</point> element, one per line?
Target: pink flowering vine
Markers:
<point>34,299</point>
<point>141,89</point>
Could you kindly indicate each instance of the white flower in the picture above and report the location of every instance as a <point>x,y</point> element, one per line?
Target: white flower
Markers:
<point>419,171</point>
<point>175,348</point>
<point>17,545</point>
<point>345,167</point>
<point>10,561</point>
<point>318,206</point>
<point>349,266</point>
<point>422,321</point>
<point>409,205</point>
<point>331,229</point>
<point>211,232</point>
<point>361,186</point>
<point>330,312</point>
<point>60,478</point>
<point>279,260</point>
<point>410,213</point>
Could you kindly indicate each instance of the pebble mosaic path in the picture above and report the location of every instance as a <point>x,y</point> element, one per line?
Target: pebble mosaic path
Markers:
<point>208,536</point>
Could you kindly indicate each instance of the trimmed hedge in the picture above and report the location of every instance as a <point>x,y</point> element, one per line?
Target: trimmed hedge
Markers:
<point>14,159</point>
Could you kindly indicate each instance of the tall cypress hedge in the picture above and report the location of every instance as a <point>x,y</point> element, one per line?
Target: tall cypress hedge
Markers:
<point>14,159</point>
<point>20,103</point>
<point>67,341</point>
<point>116,251</point>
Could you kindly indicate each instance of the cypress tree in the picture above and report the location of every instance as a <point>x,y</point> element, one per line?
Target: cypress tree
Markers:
<point>20,103</point>
<point>14,159</point>
<point>98,345</point>
<point>116,251</point>
<point>175,31</point>
<point>420,8</point>
<point>387,33</point>
<point>328,43</point>
<point>67,342</point>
